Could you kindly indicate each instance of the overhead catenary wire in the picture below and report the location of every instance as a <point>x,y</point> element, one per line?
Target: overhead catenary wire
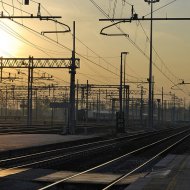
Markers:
<point>124,1</point>
<point>33,45</point>
<point>17,36</point>
<point>28,28</point>
<point>161,7</point>
<point>65,46</point>
<point>147,38</point>
<point>92,78</point>
<point>4,3</point>
<point>70,50</point>
<point>83,56</point>
<point>133,43</point>
<point>20,37</point>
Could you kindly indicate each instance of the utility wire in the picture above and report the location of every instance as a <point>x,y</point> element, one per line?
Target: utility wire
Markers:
<point>19,37</point>
<point>89,76</point>
<point>28,28</point>
<point>27,42</point>
<point>132,42</point>
<point>102,12</point>
<point>161,7</point>
<point>67,47</point>
<point>12,7</point>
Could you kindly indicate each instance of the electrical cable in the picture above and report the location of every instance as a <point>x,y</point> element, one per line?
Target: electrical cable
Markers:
<point>12,7</point>
<point>114,8</point>
<point>21,38</point>
<point>70,50</point>
<point>132,42</point>
<point>91,78</point>
<point>161,7</point>
<point>83,57</point>
<point>35,47</point>
<point>59,43</point>
<point>2,3</point>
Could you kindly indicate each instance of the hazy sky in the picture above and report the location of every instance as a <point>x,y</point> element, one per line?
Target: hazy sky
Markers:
<point>171,40</point>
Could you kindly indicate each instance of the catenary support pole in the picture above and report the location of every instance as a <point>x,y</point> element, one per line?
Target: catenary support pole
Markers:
<point>72,120</point>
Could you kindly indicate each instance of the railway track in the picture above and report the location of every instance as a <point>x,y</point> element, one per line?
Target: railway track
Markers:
<point>45,128</point>
<point>23,129</point>
<point>150,153</point>
<point>69,153</point>
<point>107,150</point>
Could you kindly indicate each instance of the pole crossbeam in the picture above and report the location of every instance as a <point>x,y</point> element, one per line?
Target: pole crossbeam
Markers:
<point>38,62</point>
<point>145,19</point>
<point>100,86</point>
<point>66,88</point>
<point>115,92</point>
<point>29,17</point>
<point>19,88</point>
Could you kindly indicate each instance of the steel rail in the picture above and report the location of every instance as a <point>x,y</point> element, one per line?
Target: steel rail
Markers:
<point>144,164</point>
<point>75,147</point>
<point>62,149</point>
<point>133,137</point>
<point>111,161</point>
<point>66,155</point>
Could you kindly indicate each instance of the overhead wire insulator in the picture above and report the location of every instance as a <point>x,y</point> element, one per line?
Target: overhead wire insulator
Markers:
<point>134,15</point>
<point>39,12</point>
<point>132,10</point>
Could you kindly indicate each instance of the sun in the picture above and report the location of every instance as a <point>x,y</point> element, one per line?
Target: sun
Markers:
<point>8,44</point>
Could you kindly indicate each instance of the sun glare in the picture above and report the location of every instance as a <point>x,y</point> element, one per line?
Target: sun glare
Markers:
<point>8,45</point>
